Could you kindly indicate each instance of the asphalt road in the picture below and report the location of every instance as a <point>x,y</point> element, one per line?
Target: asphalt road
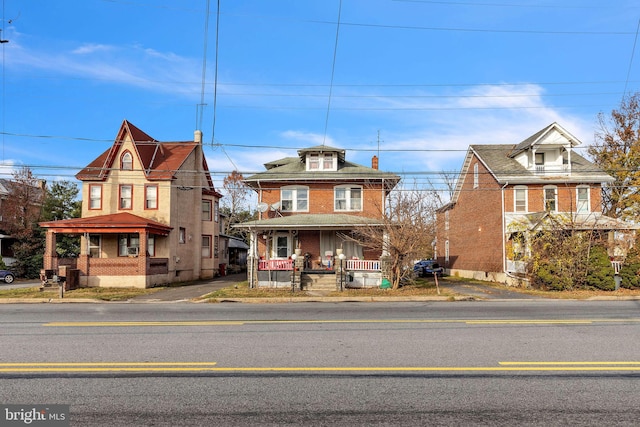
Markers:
<point>437,363</point>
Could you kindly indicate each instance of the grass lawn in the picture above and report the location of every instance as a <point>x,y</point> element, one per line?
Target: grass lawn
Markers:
<point>102,294</point>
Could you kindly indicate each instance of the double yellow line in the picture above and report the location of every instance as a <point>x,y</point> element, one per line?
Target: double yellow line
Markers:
<point>142,367</point>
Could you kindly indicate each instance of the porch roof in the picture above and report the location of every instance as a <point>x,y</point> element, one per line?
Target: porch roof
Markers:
<point>590,221</point>
<point>311,222</point>
<point>122,222</point>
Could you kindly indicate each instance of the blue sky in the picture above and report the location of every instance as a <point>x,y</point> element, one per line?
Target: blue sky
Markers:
<point>431,77</point>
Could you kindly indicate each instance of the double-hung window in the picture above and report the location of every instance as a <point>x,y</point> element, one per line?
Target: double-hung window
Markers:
<point>347,198</point>
<point>551,199</point>
<point>520,199</point>
<point>294,199</point>
<point>582,202</point>
<point>206,210</point>
<point>126,195</point>
<point>151,197</point>
<point>95,196</point>
<point>206,246</point>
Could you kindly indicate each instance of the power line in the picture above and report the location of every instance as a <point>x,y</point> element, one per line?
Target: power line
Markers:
<point>333,69</point>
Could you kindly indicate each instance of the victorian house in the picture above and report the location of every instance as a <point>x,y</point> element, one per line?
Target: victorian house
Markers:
<point>149,215</point>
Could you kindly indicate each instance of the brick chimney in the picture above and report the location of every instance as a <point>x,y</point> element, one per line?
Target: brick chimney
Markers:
<point>374,162</point>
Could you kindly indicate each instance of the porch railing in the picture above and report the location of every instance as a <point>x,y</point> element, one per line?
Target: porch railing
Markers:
<point>363,265</point>
<point>351,264</point>
<point>275,264</point>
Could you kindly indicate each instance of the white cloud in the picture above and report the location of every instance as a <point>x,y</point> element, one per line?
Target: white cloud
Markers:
<point>307,138</point>
<point>89,48</point>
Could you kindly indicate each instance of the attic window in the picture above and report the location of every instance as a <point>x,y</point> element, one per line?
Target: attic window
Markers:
<point>126,162</point>
<point>322,162</point>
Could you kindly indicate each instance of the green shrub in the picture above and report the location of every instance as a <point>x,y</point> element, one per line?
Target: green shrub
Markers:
<point>600,272</point>
<point>630,271</point>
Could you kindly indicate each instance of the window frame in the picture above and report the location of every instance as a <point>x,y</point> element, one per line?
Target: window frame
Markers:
<point>587,202</point>
<point>92,198</point>
<point>348,198</point>
<point>91,248</point>
<point>525,190</point>
<point>182,235</point>
<point>126,165</point>
<point>555,197</point>
<point>209,247</point>
<point>120,197</point>
<point>130,238</point>
<point>207,214</point>
<point>295,200</point>
<point>146,196</point>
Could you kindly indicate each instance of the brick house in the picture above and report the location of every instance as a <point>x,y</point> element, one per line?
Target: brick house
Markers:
<point>505,191</point>
<point>307,206</point>
<point>19,202</point>
<point>149,215</point>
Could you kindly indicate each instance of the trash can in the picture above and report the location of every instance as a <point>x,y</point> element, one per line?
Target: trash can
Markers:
<point>223,269</point>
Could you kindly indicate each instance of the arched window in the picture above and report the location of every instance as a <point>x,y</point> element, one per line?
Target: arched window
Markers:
<point>126,161</point>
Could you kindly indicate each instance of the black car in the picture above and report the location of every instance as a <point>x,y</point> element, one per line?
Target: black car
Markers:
<point>427,268</point>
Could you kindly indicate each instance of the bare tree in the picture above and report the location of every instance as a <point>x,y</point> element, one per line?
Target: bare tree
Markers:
<point>235,202</point>
<point>406,230</point>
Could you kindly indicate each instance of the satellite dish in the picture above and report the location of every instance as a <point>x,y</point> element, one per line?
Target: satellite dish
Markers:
<point>275,206</point>
<point>262,207</point>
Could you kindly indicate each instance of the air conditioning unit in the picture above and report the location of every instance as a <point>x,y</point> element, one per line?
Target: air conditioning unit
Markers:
<point>132,251</point>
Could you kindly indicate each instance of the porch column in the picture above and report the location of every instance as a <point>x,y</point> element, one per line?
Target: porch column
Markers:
<point>252,259</point>
<point>50,255</point>
<point>142,252</point>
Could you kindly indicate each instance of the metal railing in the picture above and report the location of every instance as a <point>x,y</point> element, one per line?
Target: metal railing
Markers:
<point>275,264</point>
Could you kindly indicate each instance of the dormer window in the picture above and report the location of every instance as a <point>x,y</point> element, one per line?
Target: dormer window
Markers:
<point>322,162</point>
<point>539,161</point>
<point>313,161</point>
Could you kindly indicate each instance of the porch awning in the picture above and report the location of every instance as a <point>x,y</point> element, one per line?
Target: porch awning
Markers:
<point>310,222</point>
<point>123,222</point>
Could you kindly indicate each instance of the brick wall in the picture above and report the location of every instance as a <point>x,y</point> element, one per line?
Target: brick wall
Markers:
<point>321,199</point>
<point>475,225</point>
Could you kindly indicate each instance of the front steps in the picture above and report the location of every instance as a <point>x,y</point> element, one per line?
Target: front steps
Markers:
<point>319,282</point>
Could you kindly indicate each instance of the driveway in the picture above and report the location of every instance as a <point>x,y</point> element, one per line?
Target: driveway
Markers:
<point>185,293</point>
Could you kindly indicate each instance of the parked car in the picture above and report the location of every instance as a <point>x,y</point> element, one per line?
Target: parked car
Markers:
<point>427,268</point>
<point>7,276</point>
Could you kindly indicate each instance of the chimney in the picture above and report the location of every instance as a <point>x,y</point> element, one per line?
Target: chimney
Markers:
<point>197,137</point>
<point>374,162</point>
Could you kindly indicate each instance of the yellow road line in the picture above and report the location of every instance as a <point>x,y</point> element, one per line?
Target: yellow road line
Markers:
<point>209,367</point>
<point>338,321</point>
<point>581,363</point>
<point>529,322</point>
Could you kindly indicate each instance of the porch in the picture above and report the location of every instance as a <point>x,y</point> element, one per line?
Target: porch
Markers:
<point>133,271</point>
<point>352,273</point>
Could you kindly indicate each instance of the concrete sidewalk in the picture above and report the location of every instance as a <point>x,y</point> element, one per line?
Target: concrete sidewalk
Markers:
<point>189,292</point>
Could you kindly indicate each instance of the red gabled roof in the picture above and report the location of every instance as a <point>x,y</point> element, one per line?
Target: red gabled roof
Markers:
<point>114,223</point>
<point>160,160</point>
